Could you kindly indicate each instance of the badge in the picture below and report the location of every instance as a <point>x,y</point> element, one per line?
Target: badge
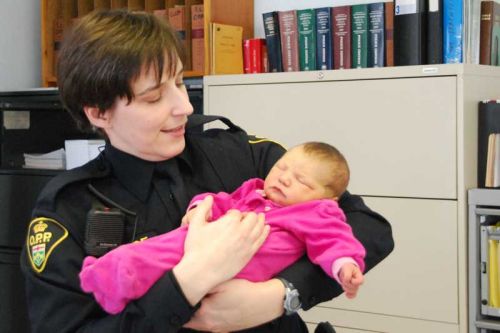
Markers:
<point>44,234</point>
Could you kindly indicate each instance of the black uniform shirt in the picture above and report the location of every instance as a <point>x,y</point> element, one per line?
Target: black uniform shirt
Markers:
<point>158,193</point>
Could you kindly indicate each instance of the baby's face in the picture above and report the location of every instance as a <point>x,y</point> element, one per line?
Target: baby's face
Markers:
<point>296,178</point>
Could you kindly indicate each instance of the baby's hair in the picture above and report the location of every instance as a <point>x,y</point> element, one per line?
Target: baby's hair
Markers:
<point>325,152</point>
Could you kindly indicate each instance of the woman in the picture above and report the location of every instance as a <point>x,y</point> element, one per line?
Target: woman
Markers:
<point>121,74</point>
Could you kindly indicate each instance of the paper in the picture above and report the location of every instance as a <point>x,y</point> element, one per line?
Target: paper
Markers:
<point>402,7</point>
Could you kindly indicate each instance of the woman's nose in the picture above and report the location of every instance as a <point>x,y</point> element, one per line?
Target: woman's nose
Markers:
<point>182,105</point>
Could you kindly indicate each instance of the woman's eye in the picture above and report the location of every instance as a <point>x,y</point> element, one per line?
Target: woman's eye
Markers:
<point>154,100</point>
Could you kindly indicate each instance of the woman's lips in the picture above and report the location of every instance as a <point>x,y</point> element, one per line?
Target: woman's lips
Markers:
<point>176,131</point>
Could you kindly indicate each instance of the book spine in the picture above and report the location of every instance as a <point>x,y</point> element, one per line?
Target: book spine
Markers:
<point>376,41</point>
<point>323,38</point>
<point>252,56</point>
<point>452,31</point>
<point>488,122</point>
<point>197,38</point>
<point>389,33</point>
<point>495,36</point>
<point>409,32</point>
<point>485,34</point>
<point>306,27</point>
<point>265,57</point>
<point>359,21</point>
<point>272,34</point>
<point>341,32</point>
<point>289,40</point>
<point>176,19</point>
<point>434,32</point>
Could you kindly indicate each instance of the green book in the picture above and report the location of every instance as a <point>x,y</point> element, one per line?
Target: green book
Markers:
<point>306,27</point>
<point>359,43</point>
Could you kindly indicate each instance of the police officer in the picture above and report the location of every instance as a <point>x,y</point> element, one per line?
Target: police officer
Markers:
<point>120,73</point>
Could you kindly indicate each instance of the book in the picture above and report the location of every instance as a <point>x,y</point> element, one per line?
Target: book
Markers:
<point>162,13</point>
<point>492,178</point>
<point>389,33</point>
<point>289,40</point>
<point>306,27</point>
<point>472,22</point>
<point>409,32</point>
<point>252,56</point>
<point>485,32</point>
<point>324,56</point>
<point>341,34</point>
<point>452,31</point>
<point>376,40</point>
<point>197,38</point>
<point>265,58</point>
<point>273,43</point>
<point>177,19</point>
<point>495,37</point>
<point>488,123</point>
<point>226,49</point>
<point>359,35</point>
<point>434,32</point>
<point>58,33</point>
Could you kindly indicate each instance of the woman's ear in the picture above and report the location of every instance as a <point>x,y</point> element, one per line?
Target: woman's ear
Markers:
<point>97,118</point>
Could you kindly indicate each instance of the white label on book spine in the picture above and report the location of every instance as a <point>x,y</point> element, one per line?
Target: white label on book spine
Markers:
<point>402,7</point>
<point>433,5</point>
<point>16,120</point>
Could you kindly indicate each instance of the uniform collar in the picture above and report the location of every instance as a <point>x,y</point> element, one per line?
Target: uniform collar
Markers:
<point>135,173</point>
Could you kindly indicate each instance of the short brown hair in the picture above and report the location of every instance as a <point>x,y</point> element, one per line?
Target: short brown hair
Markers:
<point>325,152</point>
<point>106,51</point>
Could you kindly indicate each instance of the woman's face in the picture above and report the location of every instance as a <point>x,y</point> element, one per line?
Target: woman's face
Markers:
<point>152,126</point>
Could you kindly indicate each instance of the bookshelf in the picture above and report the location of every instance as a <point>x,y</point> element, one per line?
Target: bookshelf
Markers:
<point>57,15</point>
<point>483,210</point>
<point>410,136</point>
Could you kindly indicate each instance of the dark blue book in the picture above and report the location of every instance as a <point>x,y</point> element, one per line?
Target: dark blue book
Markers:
<point>324,56</point>
<point>273,42</point>
<point>376,40</point>
<point>452,31</point>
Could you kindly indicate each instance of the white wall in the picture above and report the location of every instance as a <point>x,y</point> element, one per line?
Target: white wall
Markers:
<point>264,6</point>
<point>20,56</point>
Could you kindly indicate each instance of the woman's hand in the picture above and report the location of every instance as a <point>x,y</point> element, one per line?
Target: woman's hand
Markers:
<point>239,304</point>
<point>215,252</point>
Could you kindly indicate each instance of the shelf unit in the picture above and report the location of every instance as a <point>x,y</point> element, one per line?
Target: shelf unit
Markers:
<point>410,137</point>
<point>484,205</point>
<point>57,15</point>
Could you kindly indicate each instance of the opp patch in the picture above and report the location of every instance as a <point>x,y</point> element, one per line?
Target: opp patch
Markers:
<point>44,234</point>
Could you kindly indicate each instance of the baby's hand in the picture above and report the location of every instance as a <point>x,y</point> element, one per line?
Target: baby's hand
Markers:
<point>351,278</point>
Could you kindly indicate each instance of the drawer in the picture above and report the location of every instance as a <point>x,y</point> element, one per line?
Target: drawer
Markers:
<point>403,145</point>
<point>419,280</point>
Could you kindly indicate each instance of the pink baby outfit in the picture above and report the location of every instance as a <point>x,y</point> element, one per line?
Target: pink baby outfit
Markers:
<point>317,228</point>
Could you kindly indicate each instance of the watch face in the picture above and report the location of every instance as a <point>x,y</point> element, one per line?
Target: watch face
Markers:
<point>295,303</point>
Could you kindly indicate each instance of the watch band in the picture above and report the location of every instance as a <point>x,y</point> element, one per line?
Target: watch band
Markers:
<point>291,302</point>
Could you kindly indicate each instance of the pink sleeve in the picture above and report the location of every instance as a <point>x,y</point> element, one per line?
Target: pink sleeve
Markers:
<point>323,228</point>
<point>225,201</point>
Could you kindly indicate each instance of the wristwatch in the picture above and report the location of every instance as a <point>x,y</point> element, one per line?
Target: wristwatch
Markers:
<point>291,302</point>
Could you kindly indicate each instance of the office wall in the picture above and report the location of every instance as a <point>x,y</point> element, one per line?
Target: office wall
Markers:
<point>19,44</point>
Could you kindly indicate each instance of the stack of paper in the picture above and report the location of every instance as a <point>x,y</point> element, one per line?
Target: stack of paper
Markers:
<point>79,152</point>
<point>52,160</point>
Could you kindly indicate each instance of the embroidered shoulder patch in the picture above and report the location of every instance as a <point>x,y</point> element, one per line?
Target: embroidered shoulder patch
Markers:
<point>44,234</point>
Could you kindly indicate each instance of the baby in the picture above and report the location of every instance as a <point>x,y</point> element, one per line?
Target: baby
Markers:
<point>299,199</point>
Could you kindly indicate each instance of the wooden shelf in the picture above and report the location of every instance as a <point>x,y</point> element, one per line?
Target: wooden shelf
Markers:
<point>58,15</point>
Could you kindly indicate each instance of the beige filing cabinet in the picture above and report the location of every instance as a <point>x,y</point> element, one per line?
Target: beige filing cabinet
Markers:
<point>409,134</point>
